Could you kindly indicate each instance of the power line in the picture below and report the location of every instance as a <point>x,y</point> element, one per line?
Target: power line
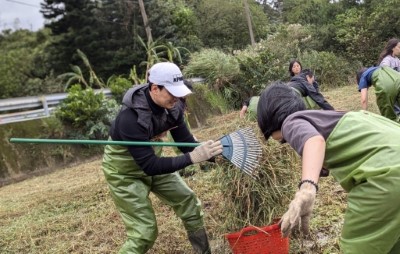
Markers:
<point>23,3</point>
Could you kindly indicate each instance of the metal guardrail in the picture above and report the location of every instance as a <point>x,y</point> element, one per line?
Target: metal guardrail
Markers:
<point>35,107</point>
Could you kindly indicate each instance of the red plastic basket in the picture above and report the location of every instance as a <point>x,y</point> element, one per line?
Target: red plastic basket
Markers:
<point>255,240</point>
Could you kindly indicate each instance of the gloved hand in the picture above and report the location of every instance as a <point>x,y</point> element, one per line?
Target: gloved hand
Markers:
<point>300,210</point>
<point>205,151</point>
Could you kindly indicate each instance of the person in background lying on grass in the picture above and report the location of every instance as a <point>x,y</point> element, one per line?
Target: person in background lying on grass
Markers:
<point>303,83</point>
<point>250,105</point>
<point>132,172</point>
<point>295,69</point>
<point>386,82</point>
<point>361,151</point>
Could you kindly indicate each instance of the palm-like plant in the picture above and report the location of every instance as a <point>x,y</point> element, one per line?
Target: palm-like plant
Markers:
<point>155,52</point>
<point>76,76</point>
<point>135,77</point>
<point>93,79</point>
<point>175,52</point>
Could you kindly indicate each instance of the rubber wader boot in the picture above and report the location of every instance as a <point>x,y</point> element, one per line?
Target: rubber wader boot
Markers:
<point>199,241</point>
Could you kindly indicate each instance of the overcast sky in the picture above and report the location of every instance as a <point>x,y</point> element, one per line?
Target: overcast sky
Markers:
<point>21,14</point>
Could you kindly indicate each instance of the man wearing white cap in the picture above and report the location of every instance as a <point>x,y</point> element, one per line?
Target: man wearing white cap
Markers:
<point>132,172</point>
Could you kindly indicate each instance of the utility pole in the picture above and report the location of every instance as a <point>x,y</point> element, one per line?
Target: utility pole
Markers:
<point>145,21</point>
<point>247,11</point>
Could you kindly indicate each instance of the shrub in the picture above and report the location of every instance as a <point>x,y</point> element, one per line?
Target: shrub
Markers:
<point>118,87</point>
<point>86,113</point>
<point>258,68</point>
<point>213,102</point>
<point>330,70</point>
<point>249,71</point>
<point>219,70</point>
<point>214,65</point>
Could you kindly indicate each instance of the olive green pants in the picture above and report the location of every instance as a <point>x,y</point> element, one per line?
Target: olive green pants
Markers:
<point>387,90</point>
<point>372,220</point>
<point>362,154</point>
<point>131,197</point>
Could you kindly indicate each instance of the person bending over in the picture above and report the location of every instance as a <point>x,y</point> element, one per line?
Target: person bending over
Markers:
<point>132,172</point>
<point>386,82</point>
<point>361,151</point>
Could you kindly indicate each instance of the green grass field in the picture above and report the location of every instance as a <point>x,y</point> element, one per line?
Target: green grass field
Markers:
<point>70,210</point>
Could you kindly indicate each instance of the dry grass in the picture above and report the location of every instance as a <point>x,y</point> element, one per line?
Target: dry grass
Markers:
<point>348,98</point>
<point>70,210</point>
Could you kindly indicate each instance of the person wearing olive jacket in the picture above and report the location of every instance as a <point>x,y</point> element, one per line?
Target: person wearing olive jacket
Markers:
<point>360,150</point>
<point>386,82</point>
<point>132,172</point>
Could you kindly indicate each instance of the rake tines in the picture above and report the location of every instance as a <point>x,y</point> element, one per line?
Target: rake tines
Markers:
<point>243,150</point>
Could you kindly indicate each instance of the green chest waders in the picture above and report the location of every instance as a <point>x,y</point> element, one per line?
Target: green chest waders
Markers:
<point>386,82</point>
<point>252,108</point>
<point>363,155</point>
<point>130,187</point>
<point>310,103</point>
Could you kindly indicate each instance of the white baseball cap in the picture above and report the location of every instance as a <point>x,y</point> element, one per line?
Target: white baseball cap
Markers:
<point>170,76</point>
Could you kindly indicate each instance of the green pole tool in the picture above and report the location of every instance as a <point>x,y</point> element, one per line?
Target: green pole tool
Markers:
<point>240,147</point>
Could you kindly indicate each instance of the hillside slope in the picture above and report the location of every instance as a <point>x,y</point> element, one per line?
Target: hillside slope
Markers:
<point>70,210</point>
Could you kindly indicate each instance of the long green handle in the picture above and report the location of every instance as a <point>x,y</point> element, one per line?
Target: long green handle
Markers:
<point>100,142</point>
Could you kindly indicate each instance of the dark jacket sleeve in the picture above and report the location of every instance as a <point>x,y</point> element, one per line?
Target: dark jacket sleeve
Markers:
<point>127,129</point>
<point>299,87</point>
<point>316,86</point>
<point>182,134</point>
<point>310,90</point>
<point>318,98</point>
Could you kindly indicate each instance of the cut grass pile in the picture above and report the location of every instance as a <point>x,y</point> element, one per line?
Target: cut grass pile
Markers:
<point>70,210</point>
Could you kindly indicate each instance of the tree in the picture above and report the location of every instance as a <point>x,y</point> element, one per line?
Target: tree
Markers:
<point>21,65</point>
<point>364,30</point>
<point>224,23</point>
<point>187,28</point>
<point>104,30</point>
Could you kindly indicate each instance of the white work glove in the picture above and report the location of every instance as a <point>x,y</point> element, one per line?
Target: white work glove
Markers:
<point>205,151</point>
<point>300,210</point>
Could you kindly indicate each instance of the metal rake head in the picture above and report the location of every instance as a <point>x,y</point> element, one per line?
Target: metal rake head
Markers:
<point>243,150</point>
